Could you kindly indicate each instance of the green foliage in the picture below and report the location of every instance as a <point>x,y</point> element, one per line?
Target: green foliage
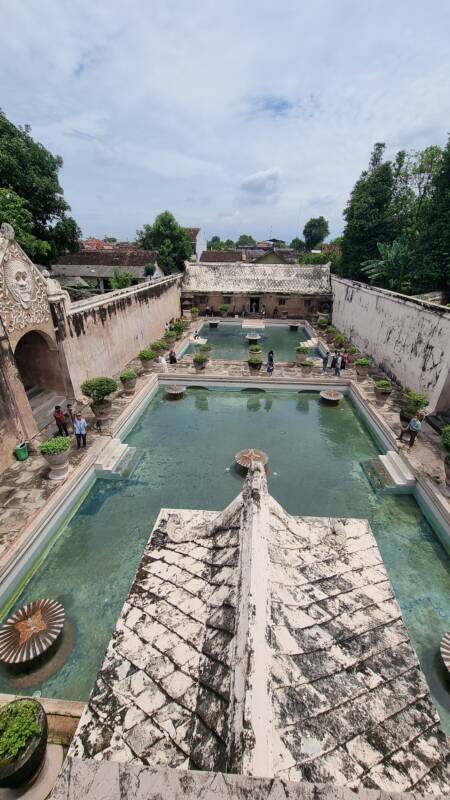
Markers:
<point>18,723</point>
<point>363,362</point>
<point>352,350</point>
<point>205,348</point>
<point>110,239</point>
<point>178,328</point>
<point>255,361</point>
<point>194,311</point>
<point>394,267</point>
<point>128,375</point>
<point>121,279</point>
<point>245,240</point>
<point>216,243</point>
<point>31,171</point>
<point>254,348</point>
<point>322,323</point>
<point>224,309</point>
<point>98,388</point>
<point>412,402</point>
<point>331,329</point>
<point>384,383</point>
<point>433,242</point>
<point>308,363</point>
<point>302,349</point>
<point>14,210</point>
<point>159,345</point>
<point>149,270</point>
<point>169,239</point>
<point>315,231</point>
<point>52,447</point>
<point>200,358</point>
<point>339,339</point>
<point>298,244</point>
<point>147,355</point>
<point>169,336</point>
<point>313,259</point>
<point>445,438</point>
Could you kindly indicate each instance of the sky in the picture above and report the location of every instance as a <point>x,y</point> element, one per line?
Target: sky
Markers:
<point>237,116</point>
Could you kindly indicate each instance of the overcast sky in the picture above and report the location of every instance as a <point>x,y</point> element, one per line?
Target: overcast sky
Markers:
<point>244,116</point>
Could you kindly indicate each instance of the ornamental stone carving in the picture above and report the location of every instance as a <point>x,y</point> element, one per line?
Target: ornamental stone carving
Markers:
<point>23,290</point>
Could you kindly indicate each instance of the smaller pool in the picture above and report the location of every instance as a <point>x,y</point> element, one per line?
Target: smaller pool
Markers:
<point>230,344</point>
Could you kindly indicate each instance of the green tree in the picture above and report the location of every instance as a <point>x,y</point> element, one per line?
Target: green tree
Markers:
<point>298,244</point>
<point>393,268</point>
<point>433,245</point>
<point>368,215</point>
<point>14,210</point>
<point>337,241</point>
<point>315,231</point>
<point>229,244</point>
<point>109,239</point>
<point>121,279</point>
<point>215,243</point>
<point>65,236</point>
<point>169,239</point>
<point>31,171</point>
<point>245,240</point>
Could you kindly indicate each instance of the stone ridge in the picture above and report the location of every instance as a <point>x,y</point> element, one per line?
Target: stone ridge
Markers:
<point>259,643</point>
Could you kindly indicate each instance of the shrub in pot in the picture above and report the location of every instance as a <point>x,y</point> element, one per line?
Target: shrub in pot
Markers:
<point>205,348</point>
<point>411,403</point>
<point>224,309</point>
<point>128,379</point>
<point>194,312</point>
<point>56,454</point>
<point>322,323</point>
<point>254,349</point>
<point>307,366</point>
<point>330,333</point>
<point>23,742</point>
<point>147,357</point>
<point>255,363</point>
<point>445,439</point>
<point>200,360</point>
<point>178,329</point>
<point>383,387</point>
<point>339,340</point>
<point>362,366</point>
<point>159,346</point>
<point>353,354</point>
<point>170,336</point>
<point>301,354</point>
<point>98,390</point>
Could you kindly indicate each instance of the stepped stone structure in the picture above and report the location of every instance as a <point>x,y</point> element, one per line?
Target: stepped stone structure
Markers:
<point>265,645</point>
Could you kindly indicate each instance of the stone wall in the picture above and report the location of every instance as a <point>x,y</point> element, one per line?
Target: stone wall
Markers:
<point>294,305</point>
<point>408,337</point>
<point>99,336</point>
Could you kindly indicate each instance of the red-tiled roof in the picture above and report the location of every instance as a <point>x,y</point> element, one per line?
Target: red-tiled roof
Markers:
<point>221,256</point>
<point>119,257</point>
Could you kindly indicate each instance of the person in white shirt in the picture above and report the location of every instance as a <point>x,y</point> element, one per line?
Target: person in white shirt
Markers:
<point>79,428</point>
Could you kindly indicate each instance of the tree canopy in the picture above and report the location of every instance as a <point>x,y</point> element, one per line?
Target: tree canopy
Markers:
<point>245,240</point>
<point>169,239</point>
<point>31,172</point>
<point>298,244</point>
<point>315,231</point>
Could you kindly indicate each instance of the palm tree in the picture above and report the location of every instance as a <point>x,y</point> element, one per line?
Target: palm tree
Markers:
<point>393,270</point>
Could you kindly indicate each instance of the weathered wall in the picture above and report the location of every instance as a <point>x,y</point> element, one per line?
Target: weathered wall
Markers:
<point>295,305</point>
<point>99,336</point>
<point>409,338</point>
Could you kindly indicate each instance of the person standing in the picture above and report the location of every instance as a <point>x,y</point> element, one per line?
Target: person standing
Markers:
<point>80,426</point>
<point>263,311</point>
<point>270,362</point>
<point>163,364</point>
<point>172,357</point>
<point>325,362</point>
<point>69,416</point>
<point>344,360</point>
<point>333,360</point>
<point>60,420</point>
<point>337,366</point>
<point>414,427</point>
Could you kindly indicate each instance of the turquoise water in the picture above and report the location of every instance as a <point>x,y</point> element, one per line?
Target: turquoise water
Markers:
<point>187,450</point>
<point>229,341</point>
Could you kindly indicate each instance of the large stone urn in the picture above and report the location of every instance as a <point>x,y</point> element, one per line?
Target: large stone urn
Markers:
<point>59,465</point>
<point>16,772</point>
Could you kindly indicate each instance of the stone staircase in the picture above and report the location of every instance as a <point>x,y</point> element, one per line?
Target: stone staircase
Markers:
<point>388,473</point>
<point>43,402</point>
<point>116,461</point>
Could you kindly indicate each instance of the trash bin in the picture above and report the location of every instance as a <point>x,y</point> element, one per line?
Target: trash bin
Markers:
<point>22,451</point>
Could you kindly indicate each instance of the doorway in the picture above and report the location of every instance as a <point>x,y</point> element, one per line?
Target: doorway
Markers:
<point>37,361</point>
<point>254,305</point>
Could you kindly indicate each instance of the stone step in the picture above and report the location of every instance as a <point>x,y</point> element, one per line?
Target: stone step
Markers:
<point>116,460</point>
<point>397,469</point>
<point>42,406</point>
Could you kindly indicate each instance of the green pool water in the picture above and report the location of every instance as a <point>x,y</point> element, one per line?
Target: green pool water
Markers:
<point>187,451</point>
<point>229,341</point>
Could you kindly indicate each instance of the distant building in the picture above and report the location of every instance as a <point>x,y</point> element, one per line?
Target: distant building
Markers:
<point>255,255</point>
<point>97,266</point>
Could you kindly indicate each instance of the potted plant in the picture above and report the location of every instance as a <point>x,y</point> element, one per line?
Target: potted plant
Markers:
<point>383,388</point>
<point>170,337</point>
<point>23,741</point>
<point>362,366</point>
<point>353,354</point>
<point>411,403</point>
<point>330,333</point>
<point>147,357</point>
<point>56,454</point>
<point>224,309</point>
<point>205,348</point>
<point>128,379</point>
<point>98,390</point>
<point>159,346</point>
<point>301,354</point>
<point>445,439</point>
<point>254,349</point>
<point>307,366</point>
<point>322,323</point>
<point>200,360</point>
<point>254,363</point>
<point>339,340</point>
<point>178,329</point>
<point>194,312</point>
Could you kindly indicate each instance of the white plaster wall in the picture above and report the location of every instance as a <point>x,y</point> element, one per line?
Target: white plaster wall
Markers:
<point>409,338</point>
<point>102,337</point>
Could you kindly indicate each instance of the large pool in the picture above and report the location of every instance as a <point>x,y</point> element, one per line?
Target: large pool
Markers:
<point>187,461</point>
<point>229,342</point>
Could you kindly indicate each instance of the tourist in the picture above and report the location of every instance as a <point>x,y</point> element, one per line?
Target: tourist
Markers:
<point>325,362</point>
<point>270,362</point>
<point>414,427</point>
<point>172,357</point>
<point>163,364</point>
<point>263,311</point>
<point>79,427</point>
<point>344,360</point>
<point>333,360</point>
<point>338,364</point>
<point>166,326</point>
<point>60,420</point>
<point>69,416</point>
<point>254,308</point>
<point>196,335</point>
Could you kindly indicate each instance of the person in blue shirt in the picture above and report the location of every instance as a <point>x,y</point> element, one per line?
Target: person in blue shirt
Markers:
<point>79,428</point>
<point>413,427</point>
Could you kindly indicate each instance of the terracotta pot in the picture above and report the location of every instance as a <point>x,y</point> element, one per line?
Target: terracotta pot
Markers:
<point>200,367</point>
<point>307,368</point>
<point>129,387</point>
<point>382,394</point>
<point>300,358</point>
<point>29,760</point>
<point>147,365</point>
<point>362,371</point>
<point>59,465</point>
<point>447,469</point>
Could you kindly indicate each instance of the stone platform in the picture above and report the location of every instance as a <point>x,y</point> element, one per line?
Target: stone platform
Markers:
<point>267,645</point>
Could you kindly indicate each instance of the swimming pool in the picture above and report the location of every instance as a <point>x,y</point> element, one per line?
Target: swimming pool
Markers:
<point>187,461</point>
<point>229,343</point>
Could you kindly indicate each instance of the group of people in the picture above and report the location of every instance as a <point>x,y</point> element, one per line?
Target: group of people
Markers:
<point>76,421</point>
<point>339,361</point>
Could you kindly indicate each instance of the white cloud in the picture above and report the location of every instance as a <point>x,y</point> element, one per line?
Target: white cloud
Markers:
<point>168,103</point>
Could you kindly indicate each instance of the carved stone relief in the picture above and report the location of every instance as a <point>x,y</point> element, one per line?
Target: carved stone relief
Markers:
<point>23,291</point>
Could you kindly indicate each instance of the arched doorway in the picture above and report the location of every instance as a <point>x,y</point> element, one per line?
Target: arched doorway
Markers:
<point>37,360</point>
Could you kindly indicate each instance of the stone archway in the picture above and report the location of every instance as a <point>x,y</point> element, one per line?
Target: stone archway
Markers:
<point>37,360</point>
